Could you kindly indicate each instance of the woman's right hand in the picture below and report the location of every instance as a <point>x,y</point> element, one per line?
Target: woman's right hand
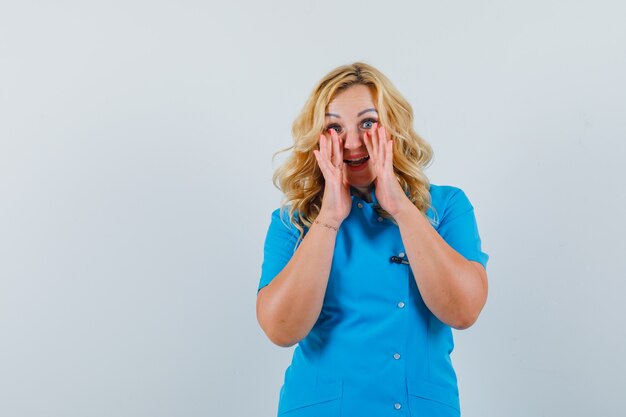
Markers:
<point>336,201</point>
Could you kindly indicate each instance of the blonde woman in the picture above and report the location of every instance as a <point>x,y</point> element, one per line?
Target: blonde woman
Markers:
<point>367,266</point>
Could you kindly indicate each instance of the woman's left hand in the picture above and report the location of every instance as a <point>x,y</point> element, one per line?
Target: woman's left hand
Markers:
<point>389,193</point>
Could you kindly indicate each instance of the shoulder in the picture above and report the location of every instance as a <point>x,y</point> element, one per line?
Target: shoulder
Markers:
<point>448,201</point>
<point>281,217</point>
<point>444,193</point>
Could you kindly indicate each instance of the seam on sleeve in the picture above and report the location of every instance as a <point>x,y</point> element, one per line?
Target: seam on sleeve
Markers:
<point>460,193</point>
<point>460,215</point>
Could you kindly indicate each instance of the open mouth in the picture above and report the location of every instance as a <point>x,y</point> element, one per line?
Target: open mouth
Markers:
<point>356,162</point>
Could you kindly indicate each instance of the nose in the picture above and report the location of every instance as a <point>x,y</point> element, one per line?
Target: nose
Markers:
<point>353,139</point>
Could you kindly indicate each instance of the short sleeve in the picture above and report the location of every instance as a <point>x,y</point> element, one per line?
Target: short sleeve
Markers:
<point>459,229</point>
<point>279,246</point>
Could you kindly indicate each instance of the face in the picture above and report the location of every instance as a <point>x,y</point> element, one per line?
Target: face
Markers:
<point>352,113</point>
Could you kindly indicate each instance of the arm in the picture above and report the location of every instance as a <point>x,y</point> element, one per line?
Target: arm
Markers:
<point>288,307</point>
<point>453,288</point>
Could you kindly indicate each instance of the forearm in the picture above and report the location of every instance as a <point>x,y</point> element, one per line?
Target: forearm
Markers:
<point>449,284</point>
<point>289,306</point>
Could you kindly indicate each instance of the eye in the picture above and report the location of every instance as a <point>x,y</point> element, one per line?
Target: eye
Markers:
<point>368,123</point>
<point>334,126</point>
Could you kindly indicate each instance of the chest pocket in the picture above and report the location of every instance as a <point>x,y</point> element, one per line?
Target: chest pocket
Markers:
<point>361,269</point>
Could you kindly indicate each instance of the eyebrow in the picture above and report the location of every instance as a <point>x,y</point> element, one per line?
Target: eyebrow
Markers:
<point>360,113</point>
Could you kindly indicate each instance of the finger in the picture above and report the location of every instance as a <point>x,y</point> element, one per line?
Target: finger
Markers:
<point>318,158</point>
<point>375,143</point>
<point>331,139</point>
<point>382,146</point>
<point>389,153</point>
<point>324,147</point>
<point>383,151</point>
<point>322,156</point>
<point>323,164</point>
<point>368,145</point>
<point>382,133</point>
<point>341,156</point>
<point>389,159</point>
<point>336,157</point>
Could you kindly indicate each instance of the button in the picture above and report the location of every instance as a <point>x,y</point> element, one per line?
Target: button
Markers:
<point>380,219</point>
<point>401,254</point>
<point>396,356</point>
<point>397,406</point>
<point>359,205</point>
<point>400,304</point>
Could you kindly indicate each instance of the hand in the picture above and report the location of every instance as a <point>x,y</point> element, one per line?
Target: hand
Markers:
<point>336,201</point>
<point>389,193</point>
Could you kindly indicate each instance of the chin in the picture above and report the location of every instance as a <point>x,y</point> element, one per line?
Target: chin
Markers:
<point>361,183</point>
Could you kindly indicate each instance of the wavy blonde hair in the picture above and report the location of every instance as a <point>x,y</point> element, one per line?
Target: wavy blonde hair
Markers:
<point>300,178</point>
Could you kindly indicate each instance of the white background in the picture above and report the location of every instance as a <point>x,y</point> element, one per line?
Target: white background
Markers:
<point>136,142</point>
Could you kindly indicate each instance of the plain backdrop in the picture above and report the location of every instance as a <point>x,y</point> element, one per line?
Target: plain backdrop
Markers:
<point>136,143</point>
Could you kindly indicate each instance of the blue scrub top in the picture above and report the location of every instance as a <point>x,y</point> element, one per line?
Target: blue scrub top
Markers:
<point>376,349</point>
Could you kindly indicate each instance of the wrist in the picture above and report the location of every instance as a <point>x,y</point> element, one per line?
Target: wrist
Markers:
<point>328,220</point>
<point>407,211</point>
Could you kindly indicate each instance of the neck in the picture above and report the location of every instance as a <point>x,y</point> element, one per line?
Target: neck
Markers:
<point>364,192</point>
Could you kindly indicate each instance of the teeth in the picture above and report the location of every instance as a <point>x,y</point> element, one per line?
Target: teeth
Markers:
<point>356,160</point>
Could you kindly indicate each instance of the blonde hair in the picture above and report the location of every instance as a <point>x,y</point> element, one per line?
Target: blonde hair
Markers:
<point>301,180</point>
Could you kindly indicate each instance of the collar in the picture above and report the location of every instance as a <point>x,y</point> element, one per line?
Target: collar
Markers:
<point>354,194</point>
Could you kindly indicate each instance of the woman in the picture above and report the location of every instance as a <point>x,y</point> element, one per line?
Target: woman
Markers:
<point>371,265</point>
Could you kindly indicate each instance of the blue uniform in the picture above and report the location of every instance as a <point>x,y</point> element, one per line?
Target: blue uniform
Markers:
<point>376,349</point>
